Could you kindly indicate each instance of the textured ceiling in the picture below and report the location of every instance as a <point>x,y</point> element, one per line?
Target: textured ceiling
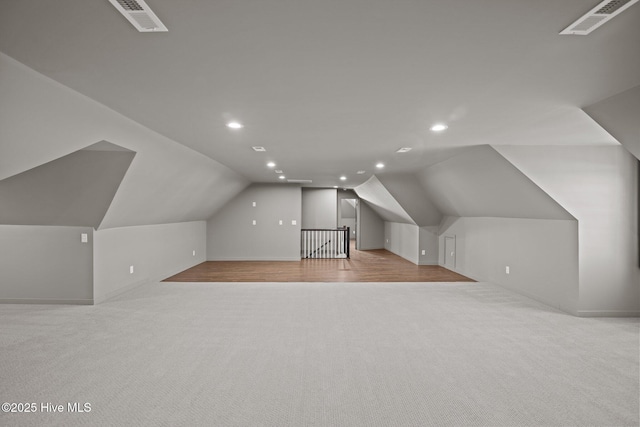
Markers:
<point>330,88</point>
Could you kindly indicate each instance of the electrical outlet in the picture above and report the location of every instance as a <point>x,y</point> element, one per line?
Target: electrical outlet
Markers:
<point>424,252</point>
<point>254,222</point>
<point>131,269</point>
<point>280,222</point>
<point>506,269</point>
<point>194,253</point>
<point>253,204</point>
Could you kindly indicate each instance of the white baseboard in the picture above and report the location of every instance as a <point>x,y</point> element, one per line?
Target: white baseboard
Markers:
<point>608,313</point>
<point>116,292</point>
<point>46,301</point>
<point>256,259</point>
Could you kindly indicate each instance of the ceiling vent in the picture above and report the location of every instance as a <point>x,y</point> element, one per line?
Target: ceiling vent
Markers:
<point>597,16</point>
<point>140,15</point>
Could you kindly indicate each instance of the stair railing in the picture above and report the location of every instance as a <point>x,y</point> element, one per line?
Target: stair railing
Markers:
<point>325,242</point>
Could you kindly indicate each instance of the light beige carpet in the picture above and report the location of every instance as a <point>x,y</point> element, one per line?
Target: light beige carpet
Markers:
<point>287,354</point>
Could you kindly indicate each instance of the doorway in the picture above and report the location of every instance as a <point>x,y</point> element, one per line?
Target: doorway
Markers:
<point>348,217</point>
<point>450,252</point>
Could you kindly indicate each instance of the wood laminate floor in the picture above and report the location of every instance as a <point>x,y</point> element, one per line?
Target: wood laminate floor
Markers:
<point>364,266</point>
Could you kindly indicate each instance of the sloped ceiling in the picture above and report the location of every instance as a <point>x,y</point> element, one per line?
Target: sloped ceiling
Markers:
<point>41,121</point>
<point>330,88</point>
<point>74,190</point>
<point>477,182</point>
<point>382,202</point>
<point>620,116</point>
<point>482,183</point>
<point>406,190</point>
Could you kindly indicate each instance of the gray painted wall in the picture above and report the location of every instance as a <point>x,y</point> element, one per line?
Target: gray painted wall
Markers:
<point>348,208</point>
<point>370,228</point>
<point>155,251</point>
<point>46,265</point>
<point>542,256</point>
<point>408,241</point>
<point>319,208</point>
<point>403,240</point>
<point>598,186</point>
<point>231,235</point>
<point>428,242</point>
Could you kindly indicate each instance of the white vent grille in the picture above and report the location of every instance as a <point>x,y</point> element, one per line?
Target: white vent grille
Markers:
<point>140,15</point>
<point>597,16</point>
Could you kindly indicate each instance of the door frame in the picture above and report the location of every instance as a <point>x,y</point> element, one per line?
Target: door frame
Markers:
<point>452,241</point>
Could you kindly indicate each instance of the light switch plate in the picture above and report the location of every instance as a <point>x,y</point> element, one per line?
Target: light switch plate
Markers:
<point>254,222</point>
<point>84,237</point>
<point>294,222</point>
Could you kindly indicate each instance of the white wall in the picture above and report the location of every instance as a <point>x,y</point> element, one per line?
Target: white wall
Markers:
<point>231,235</point>
<point>319,208</point>
<point>599,187</point>
<point>542,256</point>
<point>155,251</point>
<point>46,265</point>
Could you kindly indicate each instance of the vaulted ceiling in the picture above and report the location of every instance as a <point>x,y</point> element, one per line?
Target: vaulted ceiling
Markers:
<point>331,88</point>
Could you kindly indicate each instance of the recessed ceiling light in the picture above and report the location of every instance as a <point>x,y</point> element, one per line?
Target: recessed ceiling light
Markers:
<point>335,186</point>
<point>235,125</point>
<point>380,165</point>
<point>439,127</point>
<point>278,171</point>
<point>271,164</point>
<point>403,149</point>
<point>282,177</point>
<point>343,178</point>
<point>361,172</point>
<point>259,148</point>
